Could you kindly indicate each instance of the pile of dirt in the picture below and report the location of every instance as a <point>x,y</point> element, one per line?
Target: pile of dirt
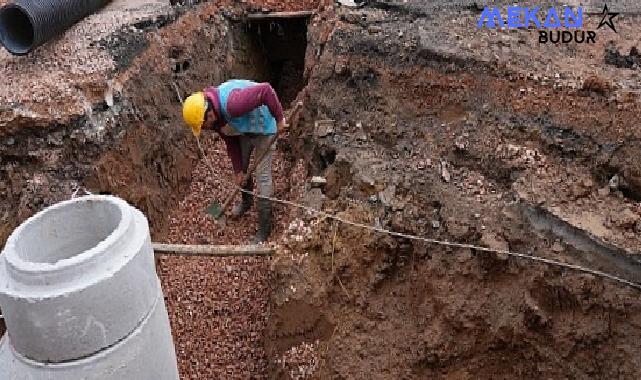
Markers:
<point>448,133</point>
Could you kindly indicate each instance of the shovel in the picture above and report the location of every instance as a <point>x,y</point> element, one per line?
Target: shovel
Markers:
<point>216,209</point>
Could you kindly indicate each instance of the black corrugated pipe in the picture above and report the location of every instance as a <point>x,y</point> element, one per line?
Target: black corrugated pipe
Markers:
<point>27,24</point>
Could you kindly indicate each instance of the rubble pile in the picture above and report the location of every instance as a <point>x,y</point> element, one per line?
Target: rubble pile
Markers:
<point>471,135</point>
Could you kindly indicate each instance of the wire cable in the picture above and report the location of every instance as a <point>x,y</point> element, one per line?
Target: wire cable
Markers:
<point>445,243</point>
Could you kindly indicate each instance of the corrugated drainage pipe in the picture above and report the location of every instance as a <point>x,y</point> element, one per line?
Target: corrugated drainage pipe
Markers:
<point>81,298</point>
<point>27,24</point>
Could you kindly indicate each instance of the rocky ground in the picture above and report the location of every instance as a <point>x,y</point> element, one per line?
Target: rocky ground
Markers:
<point>219,307</point>
<point>445,131</point>
<point>420,123</point>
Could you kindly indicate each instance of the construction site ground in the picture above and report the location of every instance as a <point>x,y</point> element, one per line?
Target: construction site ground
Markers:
<point>420,123</point>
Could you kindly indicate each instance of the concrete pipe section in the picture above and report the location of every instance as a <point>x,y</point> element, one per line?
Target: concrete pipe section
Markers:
<point>81,298</point>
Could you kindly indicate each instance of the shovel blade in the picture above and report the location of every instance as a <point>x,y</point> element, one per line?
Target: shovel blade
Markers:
<point>215,210</point>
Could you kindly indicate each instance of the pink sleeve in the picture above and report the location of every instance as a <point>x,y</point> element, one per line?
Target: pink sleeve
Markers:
<point>247,99</point>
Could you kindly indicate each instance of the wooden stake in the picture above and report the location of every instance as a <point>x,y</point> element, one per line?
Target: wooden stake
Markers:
<point>277,15</point>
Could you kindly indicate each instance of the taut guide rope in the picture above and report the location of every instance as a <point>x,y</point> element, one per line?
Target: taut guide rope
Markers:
<point>444,243</point>
<point>434,241</point>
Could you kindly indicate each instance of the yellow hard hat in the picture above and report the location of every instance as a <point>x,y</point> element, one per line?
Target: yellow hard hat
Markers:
<point>194,109</point>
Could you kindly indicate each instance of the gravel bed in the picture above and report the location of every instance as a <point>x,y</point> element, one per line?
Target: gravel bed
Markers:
<point>219,307</point>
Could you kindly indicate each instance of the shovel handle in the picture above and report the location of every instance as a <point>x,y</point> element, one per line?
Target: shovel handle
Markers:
<point>257,162</point>
<point>251,170</point>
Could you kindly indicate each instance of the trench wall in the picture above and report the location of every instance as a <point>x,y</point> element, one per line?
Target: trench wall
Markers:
<point>132,142</point>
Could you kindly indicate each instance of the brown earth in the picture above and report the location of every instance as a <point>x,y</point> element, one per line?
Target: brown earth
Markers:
<point>134,145</point>
<point>439,130</point>
<point>435,140</point>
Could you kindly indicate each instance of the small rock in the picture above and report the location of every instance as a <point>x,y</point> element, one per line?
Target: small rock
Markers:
<point>436,224</point>
<point>460,145</point>
<point>398,205</point>
<point>351,3</point>
<point>386,196</point>
<point>318,182</point>
<point>588,183</point>
<point>445,174</point>
<point>324,128</point>
<point>109,97</point>
<point>615,182</point>
<point>495,242</point>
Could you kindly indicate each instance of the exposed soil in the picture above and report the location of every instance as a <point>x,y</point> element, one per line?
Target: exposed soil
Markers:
<point>132,143</point>
<point>435,139</point>
<point>421,123</point>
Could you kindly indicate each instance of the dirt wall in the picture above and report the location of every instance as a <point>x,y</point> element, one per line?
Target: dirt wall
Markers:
<point>132,142</point>
<point>432,139</point>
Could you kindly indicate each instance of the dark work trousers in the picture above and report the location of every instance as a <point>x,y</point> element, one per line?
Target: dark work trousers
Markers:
<point>263,173</point>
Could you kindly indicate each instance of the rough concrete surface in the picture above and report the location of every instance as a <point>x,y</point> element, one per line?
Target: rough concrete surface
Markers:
<point>80,285</point>
<point>141,355</point>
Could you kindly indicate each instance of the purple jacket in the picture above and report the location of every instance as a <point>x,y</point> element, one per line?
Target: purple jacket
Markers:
<point>241,101</point>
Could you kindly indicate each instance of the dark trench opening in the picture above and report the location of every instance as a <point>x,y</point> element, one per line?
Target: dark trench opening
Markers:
<point>16,30</point>
<point>274,50</point>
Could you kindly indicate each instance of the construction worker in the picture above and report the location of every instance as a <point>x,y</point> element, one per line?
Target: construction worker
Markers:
<point>246,115</point>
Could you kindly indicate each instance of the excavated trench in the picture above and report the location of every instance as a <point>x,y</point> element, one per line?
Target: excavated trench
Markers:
<point>133,144</point>
<point>408,139</point>
<point>229,298</point>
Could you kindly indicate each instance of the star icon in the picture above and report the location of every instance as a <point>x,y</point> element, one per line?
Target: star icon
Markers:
<point>610,16</point>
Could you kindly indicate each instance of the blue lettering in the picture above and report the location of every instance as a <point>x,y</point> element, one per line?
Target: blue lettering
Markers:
<point>552,15</point>
<point>530,15</point>
<point>514,17</point>
<point>489,16</point>
<point>577,19</point>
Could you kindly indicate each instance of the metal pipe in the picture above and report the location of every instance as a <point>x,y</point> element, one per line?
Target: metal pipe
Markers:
<point>27,24</point>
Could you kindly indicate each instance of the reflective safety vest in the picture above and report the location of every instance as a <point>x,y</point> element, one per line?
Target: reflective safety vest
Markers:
<point>259,121</point>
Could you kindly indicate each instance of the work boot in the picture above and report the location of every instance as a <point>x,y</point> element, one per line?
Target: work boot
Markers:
<point>245,204</point>
<point>264,221</point>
